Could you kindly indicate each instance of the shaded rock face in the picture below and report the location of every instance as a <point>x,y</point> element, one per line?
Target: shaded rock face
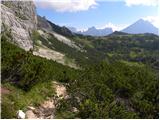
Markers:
<point>19,17</point>
<point>43,23</point>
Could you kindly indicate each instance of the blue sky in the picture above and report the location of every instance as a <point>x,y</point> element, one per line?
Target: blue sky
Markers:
<point>107,13</point>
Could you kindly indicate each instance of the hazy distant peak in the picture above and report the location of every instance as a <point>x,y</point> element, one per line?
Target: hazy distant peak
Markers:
<point>141,26</point>
<point>92,28</point>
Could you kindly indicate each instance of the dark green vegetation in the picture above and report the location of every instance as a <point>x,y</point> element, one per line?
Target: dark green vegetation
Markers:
<point>119,78</point>
<point>25,70</point>
<point>115,91</point>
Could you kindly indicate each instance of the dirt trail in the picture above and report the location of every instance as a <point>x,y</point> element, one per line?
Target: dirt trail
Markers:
<point>47,108</point>
<point>4,90</point>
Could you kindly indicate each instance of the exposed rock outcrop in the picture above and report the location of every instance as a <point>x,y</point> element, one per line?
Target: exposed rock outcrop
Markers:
<point>49,54</point>
<point>20,19</point>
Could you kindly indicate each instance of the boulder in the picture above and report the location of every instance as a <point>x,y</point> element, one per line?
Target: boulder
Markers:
<point>21,114</point>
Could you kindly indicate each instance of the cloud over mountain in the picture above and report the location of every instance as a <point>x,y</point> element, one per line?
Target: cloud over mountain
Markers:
<point>153,19</point>
<point>115,27</point>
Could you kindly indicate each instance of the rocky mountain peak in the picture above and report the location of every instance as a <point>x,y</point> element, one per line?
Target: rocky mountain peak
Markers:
<point>141,26</point>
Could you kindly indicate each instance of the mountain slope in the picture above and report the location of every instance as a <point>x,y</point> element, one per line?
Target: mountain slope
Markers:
<point>43,23</point>
<point>20,17</point>
<point>141,26</point>
<point>118,75</point>
<point>117,33</point>
<point>117,86</point>
<point>44,46</point>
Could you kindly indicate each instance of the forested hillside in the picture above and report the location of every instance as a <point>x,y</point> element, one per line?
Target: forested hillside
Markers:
<point>139,48</point>
<point>113,88</point>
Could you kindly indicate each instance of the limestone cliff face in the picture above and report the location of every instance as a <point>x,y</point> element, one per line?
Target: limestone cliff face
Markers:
<point>20,18</point>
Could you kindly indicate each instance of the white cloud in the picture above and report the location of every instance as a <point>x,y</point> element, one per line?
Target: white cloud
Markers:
<point>142,2</point>
<point>82,29</point>
<point>154,20</point>
<point>115,27</point>
<point>67,5</point>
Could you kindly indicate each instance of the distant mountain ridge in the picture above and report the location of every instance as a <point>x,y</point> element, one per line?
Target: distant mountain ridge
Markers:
<point>93,31</point>
<point>140,26</point>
